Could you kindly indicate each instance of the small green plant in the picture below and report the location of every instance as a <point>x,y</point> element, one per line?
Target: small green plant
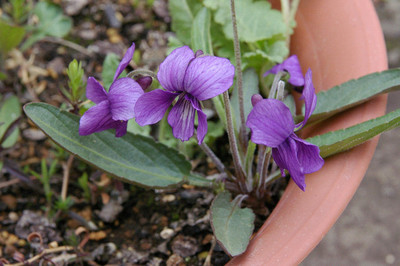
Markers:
<point>84,185</point>
<point>76,85</point>
<point>20,10</point>
<point>63,205</point>
<point>44,177</point>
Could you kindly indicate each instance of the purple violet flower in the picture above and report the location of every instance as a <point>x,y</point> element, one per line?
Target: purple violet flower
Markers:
<point>192,78</point>
<point>272,125</point>
<point>292,66</point>
<point>112,109</point>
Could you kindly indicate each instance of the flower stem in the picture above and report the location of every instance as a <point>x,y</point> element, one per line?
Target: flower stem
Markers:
<point>273,176</point>
<point>67,167</point>
<point>251,147</point>
<point>233,145</point>
<point>220,166</point>
<point>275,83</point>
<point>239,76</point>
<point>263,173</point>
<point>289,9</point>
<point>285,7</point>
<point>293,9</point>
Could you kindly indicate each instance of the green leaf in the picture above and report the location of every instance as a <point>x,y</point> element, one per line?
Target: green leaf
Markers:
<point>3,76</point>
<point>196,179</point>
<point>250,87</point>
<point>133,158</point>
<point>353,93</point>
<point>219,106</point>
<point>232,225</point>
<point>183,13</point>
<point>14,36</point>
<point>51,19</point>
<point>255,20</point>
<point>9,112</point>
<point>222,46</point>
<point>52,22</point>
<point>20,9</point>
<point>272,53</point>
<point>134,128</point>
<point>201,36</point>
<point>344,139</point>
<point>110,65</point>
<point>173,43</point>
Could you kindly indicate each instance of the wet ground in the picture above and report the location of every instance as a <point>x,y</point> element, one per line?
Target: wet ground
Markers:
<point>368,232</point>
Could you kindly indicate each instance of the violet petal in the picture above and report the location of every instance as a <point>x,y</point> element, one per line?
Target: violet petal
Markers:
<point>181,119</point>
<point>151,106</point>
<point>94,91</point>
<point>310,98</point>
<point>123,95</point>
<point>208,76</point>
<point>202,126</point>
<point>285,156</point>
<point>308,155</point>
<point>121,128</point>
<point>172,70</point>
<point>201,117</point>
<point>292,66</point>
<point>125,61</point>
<point>271,122</point>
<point>97,118</point>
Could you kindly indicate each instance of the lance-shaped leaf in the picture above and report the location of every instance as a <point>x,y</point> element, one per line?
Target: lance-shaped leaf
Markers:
<point>201,40</point>
<point>198,180</point>
<point>201,35</point>
<point>352,93</point>
<point>133,158</point>
<point>344,139</point>
<point>232,225</point>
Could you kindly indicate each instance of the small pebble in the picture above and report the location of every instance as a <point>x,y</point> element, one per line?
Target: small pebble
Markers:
<point>175,260</point>
<point>34,134</point>
<point>202,255</point>
<point>207,239</point>
<point>184,246</point>
<point>390,259</point>
<point>53,244</point>
<point>21,243</point>
<point>167,233</point>
<point>168,198</point>
<point>13,216</point>
<point>96,236</point>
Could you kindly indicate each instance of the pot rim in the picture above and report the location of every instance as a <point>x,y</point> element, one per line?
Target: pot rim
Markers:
<point>328,36</point>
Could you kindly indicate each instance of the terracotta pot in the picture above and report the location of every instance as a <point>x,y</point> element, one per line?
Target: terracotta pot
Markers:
<point>339,40</point>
